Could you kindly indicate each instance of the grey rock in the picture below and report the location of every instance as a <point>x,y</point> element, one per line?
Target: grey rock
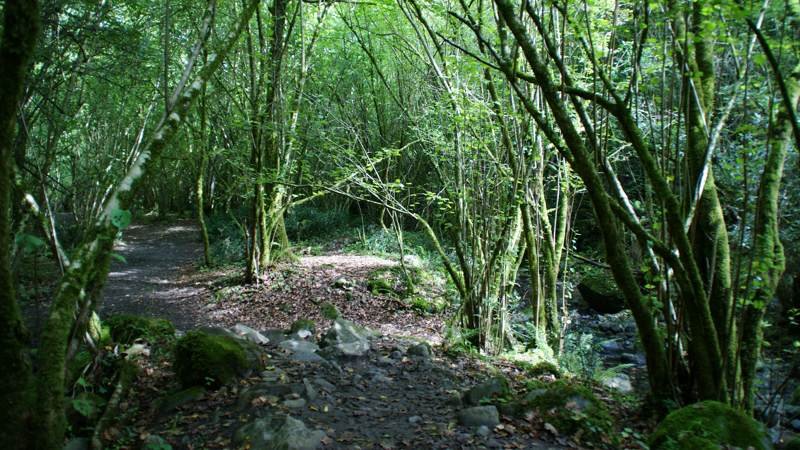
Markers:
<point>494,387</point>
<point>267,390</point>
<point>247,333</point>
<point>274,335</point>
<point>479,415</point>
<point>795,424</point>
<point>637,359</point>
<point>77,444</point>
<point>273,374</point>
<point>296,345</point>
<point>620,382</point>
<point>347,338</point>
<point>307,357</point>
<point>483,430</point>
<point>295,403</point>
<point>310,391</point>
<point>282,432</point>
<point>396,354</point>
<point>414,419</point>
<point>324,384</point>
<point>611,347</point>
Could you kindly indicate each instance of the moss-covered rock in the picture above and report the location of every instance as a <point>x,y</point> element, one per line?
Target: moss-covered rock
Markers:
<point>425,305</point>
<point>380,286</point>
<point>330,311</point>
<point>708,425</point>
<point>491,389</point>
<point>600,292</point>
<point>126,328</point>
<point>573,410</point>
<point>206,359</point>
<point>543,368</point>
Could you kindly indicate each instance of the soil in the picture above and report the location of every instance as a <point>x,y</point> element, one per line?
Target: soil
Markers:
<point>384,400</point>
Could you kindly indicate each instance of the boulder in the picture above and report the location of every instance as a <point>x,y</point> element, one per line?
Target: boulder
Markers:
<point>211,359</point>
<point>571,409</point>
<point>300,325</point>
<point>620,382</point>
<point>709,424</point>
<point>422,350</point>
<point>600,293</point>
<point>280,432</point>
<point>477,416</point>
<point>347,338</point>
<point>126,328</point>
<point>247,333</point>
<point>492,388</point>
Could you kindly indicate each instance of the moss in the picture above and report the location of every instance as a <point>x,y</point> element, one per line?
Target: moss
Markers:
<point>708,424</point>
<point>572,410</point>
<point>203,359</point>
<point>330,311</point>
<point>380,286</point>
<point>126,328</point>
<point>428,306</point>
<point>543,368</point>
<point>303,324</point>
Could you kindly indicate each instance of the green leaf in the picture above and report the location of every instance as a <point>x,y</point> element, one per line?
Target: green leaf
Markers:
<point>120,218</point>
<point>119,258</point>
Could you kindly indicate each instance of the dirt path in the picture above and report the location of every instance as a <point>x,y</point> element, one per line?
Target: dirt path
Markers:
<point>152,279</point>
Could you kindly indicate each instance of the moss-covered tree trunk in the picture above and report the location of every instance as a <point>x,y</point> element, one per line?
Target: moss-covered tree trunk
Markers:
<point>20,33</point>
<point>768,257</point>
<point>580,160</point>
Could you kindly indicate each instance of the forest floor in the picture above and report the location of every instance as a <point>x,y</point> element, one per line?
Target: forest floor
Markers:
<point>386,399</point>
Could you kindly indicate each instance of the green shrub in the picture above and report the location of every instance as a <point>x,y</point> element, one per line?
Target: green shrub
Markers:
<point>126,328</point>
<point>708,425</point>
<point>307,222</point>
<point>203,359</point>
<point>543,368</point>
<point>227,240</point>
<point>330,311</point>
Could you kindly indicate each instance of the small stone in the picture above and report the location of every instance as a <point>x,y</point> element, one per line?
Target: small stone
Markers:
<point>295,403</point>
<point>324,384</point>
<point>414,419</point>
<point>479,415</point>
<point>795,424</point>
<point>311,392</point>
<point>295,345</point>
<point>483,430</point>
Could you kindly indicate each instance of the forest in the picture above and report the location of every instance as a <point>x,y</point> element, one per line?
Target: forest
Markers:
<point>389,224</point>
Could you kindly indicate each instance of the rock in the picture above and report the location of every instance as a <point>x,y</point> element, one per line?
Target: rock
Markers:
<point>77,444</point>
<point>611,347</point>
<point>412,261</point>
<point>380,286</point>
<point>273,374</point>
<point>302,346</point>
<point>274,335</point>
<point>600,292</point>
<point>479,415</point>
<point>170,402</point>
<point>492,388</point>
<point>414,419</point>
<point>126,328</point>
<point>571,409</point>
<point>709,424</point>
<point>636,359</point>
<point>343,283</point>
<point>303,325</point>
<point>396,354</point>
<point>324,384</point>
<point>295,403</point>
<point>795,424</point>
<point>307,357</point>
<point>483,430</point>
<point>310,391</point>
<point>422,350</point>
<point>282,432</point>
<point>347,338</point>
<point>266,390</point>
<point>211,360</point>
<point>245,332</point>
<point>620,382</point>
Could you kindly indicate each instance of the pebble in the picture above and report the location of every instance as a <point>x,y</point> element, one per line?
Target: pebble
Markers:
<point>414,419</point>
<point>483,430</point>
